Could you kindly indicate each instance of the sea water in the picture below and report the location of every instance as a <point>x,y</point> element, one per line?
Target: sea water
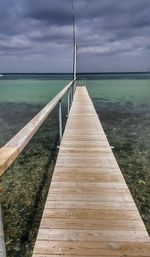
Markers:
<point>122,102</point>
<point>23,96</point>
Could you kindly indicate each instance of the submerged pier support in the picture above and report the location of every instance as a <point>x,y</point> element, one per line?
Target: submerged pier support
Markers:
<point>2,241</point>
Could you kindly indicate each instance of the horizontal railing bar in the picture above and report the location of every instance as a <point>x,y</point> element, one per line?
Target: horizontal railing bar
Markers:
<point>10,151</point>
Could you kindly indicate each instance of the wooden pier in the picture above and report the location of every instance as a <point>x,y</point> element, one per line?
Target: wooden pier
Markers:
<point>89,209</point>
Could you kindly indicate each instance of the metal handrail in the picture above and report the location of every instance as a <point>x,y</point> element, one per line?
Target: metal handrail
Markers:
<point>10,151</point>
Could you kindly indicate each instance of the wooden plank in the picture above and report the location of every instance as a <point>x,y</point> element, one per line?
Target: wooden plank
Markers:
<point>102,164</point>
<point>49,255</point>
<point>85,144</point>
<point>89,209</point>
<point>92,235</point>
<point>95,178</point>
<point>87,152</point>
<point>91,198</point>
<point>91,205</point>
<point>84,138</point>
<point>87,157</point>
<point>117,186</point>
<point>92,248</point>
<point>88,170</point>
<point>133,225</point>
<point>89,214</point>
<point>87,190</point>
<point>78,149</point>
<point>95,185</point>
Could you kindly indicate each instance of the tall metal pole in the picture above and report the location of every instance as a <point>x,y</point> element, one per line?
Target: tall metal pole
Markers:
<point>75,61</point>
<point>74,42</point>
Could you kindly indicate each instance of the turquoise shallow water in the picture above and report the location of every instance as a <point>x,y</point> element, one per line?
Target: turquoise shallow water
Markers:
<point>134,90</point>
<point>30,90</point>
<point>41,88</point>
<point>23,95</point>
<point>123,103</point>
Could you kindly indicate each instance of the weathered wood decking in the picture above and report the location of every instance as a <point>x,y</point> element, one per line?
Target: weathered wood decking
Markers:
<point>89,210</point>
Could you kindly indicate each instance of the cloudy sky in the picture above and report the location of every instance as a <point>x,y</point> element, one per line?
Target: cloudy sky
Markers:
<point>112,35</point>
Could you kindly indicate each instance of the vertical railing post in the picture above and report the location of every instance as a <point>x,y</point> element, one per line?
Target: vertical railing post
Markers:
<point>71,94</point>
<point>74,87</point>
<point>68,101</point>
<point>60,121</point>
<point>2,240</point>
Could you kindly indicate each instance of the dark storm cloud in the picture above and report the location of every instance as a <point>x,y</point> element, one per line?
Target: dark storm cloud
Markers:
<point>107,29</point>
<point>51,12</point>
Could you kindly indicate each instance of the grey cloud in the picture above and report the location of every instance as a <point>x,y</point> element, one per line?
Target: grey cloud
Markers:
<point>51,12</point>
<point>105,28</point>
